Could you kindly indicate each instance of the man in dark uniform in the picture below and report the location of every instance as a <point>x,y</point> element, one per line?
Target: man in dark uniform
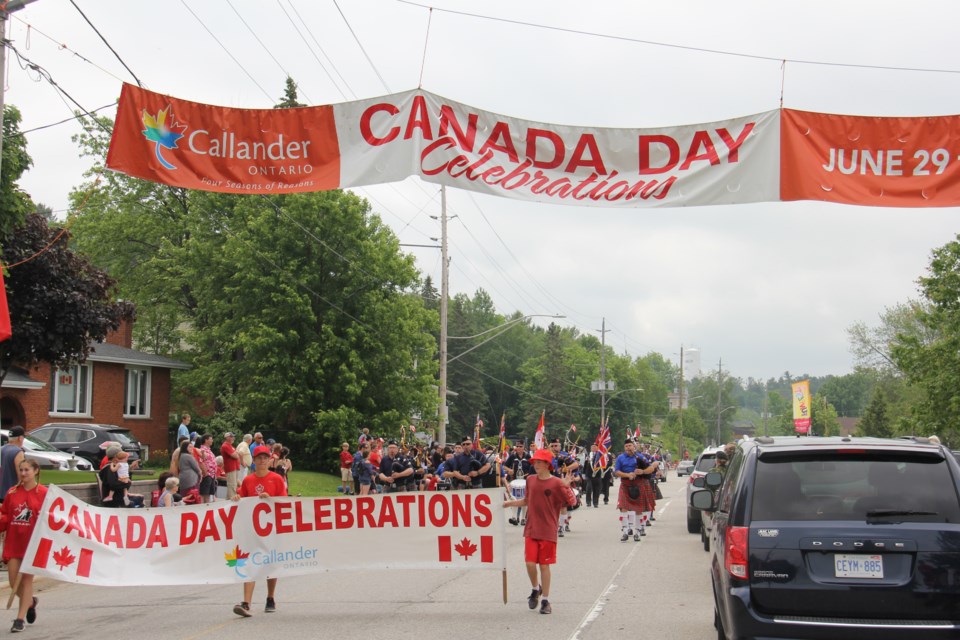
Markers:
<point>465,469</point>
<point>593,475</point>
<point>395,469</point>
<point>563,463</point>
<point>518,467</point>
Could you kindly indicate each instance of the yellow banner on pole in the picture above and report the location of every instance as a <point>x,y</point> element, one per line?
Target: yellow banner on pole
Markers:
<point>801,406</point>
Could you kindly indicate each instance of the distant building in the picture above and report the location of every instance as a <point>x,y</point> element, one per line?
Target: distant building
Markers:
<point>674,399</point>
<point>691,363</point>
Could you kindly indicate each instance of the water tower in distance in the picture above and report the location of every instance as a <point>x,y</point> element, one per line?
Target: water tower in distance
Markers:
<point>691,363</point>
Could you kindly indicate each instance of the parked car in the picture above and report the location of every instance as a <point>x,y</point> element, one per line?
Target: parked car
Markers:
<point>47,456</point>
<point>704,463</point>
<point>684,467</point>
<point>835,537</point>
<point>87,440</point>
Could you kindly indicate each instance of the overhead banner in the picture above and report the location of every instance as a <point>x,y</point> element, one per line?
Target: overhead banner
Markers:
<point>225,542</point>
<point>801,406</point>
<point>885,162</point>
<point>197,146</point>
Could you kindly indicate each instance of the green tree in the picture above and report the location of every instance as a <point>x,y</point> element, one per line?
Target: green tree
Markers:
<point>15,204</point>
<point>875,421</point>
<point>290,98</point>
<point>59,303</point>
<point>823,417</point>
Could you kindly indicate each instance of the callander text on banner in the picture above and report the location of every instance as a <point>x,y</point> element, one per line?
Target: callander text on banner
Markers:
<point>255,538</point>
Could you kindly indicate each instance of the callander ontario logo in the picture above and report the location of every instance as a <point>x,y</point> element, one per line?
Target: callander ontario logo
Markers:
<point>237,559</point>
<point>163,135</point>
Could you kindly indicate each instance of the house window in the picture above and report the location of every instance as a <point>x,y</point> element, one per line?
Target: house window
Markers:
<point>136,392</point>
<point>70,390</point>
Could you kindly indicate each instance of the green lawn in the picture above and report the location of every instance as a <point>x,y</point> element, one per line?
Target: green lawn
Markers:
<point>306,483</point>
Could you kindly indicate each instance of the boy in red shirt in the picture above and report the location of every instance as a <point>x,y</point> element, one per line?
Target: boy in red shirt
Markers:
<point>346,464</point>
<point>262,483</point>
<point>545,496</point>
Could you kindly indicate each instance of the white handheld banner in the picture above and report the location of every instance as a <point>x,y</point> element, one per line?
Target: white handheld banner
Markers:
<point>255,538</point>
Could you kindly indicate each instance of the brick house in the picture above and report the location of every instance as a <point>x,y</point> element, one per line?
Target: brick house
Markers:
<point>116,385</point>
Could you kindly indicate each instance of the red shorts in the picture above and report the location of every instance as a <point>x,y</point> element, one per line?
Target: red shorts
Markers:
<point>540,551</point>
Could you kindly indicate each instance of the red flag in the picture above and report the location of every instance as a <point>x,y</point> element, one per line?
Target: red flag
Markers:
<point>63,558</point>
<point>538,436</point>
<point>5,329</point>
<point>465,548</point>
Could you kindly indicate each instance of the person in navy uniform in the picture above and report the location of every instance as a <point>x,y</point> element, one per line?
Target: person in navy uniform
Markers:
<point>636,495</point>
<point>518,467</point>
<point>593,468</point>
<point>466,468</point>
<point>564,463</point>
<point>395,469</point>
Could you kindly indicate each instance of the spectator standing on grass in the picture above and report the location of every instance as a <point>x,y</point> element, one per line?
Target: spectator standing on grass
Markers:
<point>189,473</point>
<point>11,455</point>
<point>208,469</point>
<point>183,431</point>
<point>231,463</point>
<point>346,464</point>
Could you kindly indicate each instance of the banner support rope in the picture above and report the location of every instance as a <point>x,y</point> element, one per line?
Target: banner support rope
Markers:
<point>783,80</point>
<point>426,41</point>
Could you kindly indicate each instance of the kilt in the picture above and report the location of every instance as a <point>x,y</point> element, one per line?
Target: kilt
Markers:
<point>646,500</point>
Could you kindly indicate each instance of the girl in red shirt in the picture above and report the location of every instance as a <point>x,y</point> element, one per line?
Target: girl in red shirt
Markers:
<point>18,517</point>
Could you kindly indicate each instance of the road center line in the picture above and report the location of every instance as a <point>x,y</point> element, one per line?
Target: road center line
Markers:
<point>600,602</point>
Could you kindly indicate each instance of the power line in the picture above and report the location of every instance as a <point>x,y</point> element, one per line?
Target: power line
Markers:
<point>310,49</point>
<point>227,51</point>
<point>61,45</point>
<point>260,42</point>
<point>54,124</point>
<point>360,44</point>
<point>655,43</point>
<point>329,59</point>
<point>112,50</point>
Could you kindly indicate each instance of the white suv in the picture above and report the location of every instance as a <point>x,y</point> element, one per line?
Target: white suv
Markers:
<point>705,462</point>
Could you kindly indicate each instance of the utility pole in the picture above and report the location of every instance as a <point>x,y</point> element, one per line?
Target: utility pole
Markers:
<point>719,392</point>
<point>765,408</point>
<point>680,411</point>
<point>444,294</point>
<point>603,373</point>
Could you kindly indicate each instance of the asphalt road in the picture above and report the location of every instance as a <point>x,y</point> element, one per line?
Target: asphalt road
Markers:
<point>602,588</point>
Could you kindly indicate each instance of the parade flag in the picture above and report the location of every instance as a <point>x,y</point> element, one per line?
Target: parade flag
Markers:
<point>5,329</point>
<point>502,447</point>
<point>476,432</point>
<point>636,434</point>
<point>604,442</point>
<point>538,436</point>
<point>801,406</point>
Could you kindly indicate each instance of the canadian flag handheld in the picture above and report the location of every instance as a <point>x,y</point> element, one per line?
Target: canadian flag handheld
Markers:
<point>64,558</point>
<point>538,436</point>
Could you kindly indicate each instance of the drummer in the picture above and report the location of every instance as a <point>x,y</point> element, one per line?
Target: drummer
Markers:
<point>563,464</point>
<point>518,467</point>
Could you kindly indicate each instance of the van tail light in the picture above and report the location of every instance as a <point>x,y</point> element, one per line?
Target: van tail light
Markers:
<point>692,478</point>
<point>735,559</point>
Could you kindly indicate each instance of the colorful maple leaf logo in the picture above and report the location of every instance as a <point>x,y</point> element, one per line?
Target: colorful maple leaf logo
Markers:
<point>163,134</point>
<point>63,558</point>
<point>465,548</point>
<point>236,559</point>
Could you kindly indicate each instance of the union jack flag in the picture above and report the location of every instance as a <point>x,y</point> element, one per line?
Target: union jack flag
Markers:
<point>604,442</point>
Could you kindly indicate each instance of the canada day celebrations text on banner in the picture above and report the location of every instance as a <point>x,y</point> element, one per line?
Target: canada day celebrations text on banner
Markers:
<point>387,139</point>
<point>226,541</point>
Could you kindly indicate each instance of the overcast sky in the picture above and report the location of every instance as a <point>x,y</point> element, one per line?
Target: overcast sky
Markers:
<point>766,287</point>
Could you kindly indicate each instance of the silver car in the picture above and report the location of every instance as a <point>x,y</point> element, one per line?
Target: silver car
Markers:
<point>47,456</point>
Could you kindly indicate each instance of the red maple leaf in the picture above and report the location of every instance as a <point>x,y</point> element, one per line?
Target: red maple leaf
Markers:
<point>63,558</point>
<point>465,548</point>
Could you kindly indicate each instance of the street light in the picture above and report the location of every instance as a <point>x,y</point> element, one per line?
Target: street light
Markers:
<point>444,360</point>
<point>720,413</point>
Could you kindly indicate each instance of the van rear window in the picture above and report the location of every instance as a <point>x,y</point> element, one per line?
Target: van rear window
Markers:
<point>705,463</point>
<point>861,487</point>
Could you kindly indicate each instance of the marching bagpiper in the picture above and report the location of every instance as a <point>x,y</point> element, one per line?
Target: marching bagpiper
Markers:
<point>636,496</point>
<point>563,463</point>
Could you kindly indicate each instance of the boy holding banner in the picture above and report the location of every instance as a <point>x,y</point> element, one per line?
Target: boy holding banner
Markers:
<point>262,483</point>
<point>545,496</point>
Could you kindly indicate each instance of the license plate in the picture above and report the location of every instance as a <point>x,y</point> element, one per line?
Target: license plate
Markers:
<point>848,565</point>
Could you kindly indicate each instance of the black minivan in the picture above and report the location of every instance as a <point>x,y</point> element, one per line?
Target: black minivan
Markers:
<point>817,538</point>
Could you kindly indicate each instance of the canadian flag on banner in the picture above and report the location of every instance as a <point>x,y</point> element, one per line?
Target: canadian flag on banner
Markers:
<point>465,547</point>
<point>64,558</point>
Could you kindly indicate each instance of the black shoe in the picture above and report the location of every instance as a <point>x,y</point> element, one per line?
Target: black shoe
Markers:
<point>513,521</point>
<point>606,502</point>
<point>636,537</point>
<point>534,598</point>
<point>523,522</point>
<point>624,538</point>
<point>243,610</point>
<point>17,626</point>
<point>32,611</point>
<point>560,532</point>
<point>545,607</point>
<point>642,531</point>
<point>271,606</point>
<point>629,532</point>
<point>566,527</point>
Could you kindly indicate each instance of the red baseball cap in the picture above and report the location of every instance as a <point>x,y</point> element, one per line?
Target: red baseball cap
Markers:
<point>543,455</point>
<point>262,450</point>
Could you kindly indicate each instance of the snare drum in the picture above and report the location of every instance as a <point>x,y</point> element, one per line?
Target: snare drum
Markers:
<point>518,489</point>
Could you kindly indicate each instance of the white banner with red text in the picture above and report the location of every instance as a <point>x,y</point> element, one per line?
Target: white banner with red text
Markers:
<point>255,538</point>
<point>418,133</point>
